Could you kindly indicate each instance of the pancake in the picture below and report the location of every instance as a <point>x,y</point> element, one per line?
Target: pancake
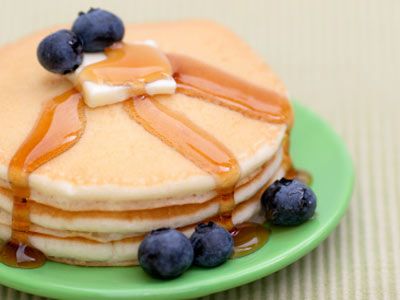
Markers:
<point>93,204</point>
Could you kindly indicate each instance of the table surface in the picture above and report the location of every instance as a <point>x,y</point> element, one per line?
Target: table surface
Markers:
<point>340,58</point>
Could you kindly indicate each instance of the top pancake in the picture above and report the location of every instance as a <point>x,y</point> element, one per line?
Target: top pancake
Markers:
<point>116,159</point>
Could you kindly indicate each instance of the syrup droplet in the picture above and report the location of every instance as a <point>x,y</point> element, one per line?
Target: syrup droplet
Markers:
<point>248,237</point>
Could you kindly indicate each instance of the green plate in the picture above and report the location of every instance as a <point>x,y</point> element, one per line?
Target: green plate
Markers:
<point>315,148</point>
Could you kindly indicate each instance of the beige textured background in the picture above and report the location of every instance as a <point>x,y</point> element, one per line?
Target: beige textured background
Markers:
<point>339,57</point>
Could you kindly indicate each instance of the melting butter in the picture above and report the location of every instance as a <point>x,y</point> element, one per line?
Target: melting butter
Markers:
<point>100,94</point>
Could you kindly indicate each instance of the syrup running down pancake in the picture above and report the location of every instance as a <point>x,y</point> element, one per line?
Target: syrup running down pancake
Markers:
<point>205,152</point>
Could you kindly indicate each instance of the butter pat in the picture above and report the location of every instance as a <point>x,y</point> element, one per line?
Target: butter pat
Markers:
<point>96,95</point>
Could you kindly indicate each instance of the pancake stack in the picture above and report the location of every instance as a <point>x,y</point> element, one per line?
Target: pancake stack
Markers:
<point>93,204</point>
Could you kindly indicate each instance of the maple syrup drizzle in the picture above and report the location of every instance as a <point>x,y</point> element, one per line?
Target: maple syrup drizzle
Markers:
<point>57,130</point>
<point>188,139</point>
<point>203,81</point>
<point>224,220</point>
<point>248,237</point>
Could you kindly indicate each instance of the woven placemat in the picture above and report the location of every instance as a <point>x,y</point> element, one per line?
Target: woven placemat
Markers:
<point>341,58</point>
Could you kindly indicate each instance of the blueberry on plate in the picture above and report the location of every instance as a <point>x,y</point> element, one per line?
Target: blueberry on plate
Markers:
<point>165,253</point>
<point>60,52</point>
<point>212,245</point>
<point>98,29</point>
<point>288,202</point>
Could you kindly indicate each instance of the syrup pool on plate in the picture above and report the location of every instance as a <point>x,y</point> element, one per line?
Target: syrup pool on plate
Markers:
<point>249,237</point>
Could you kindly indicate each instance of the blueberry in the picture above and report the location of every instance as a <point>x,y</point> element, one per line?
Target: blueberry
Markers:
<point>165,253</point>
<point>98,29</point>
<point>212,245</point>
<point>288,202</point>
<point>60,52</point>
